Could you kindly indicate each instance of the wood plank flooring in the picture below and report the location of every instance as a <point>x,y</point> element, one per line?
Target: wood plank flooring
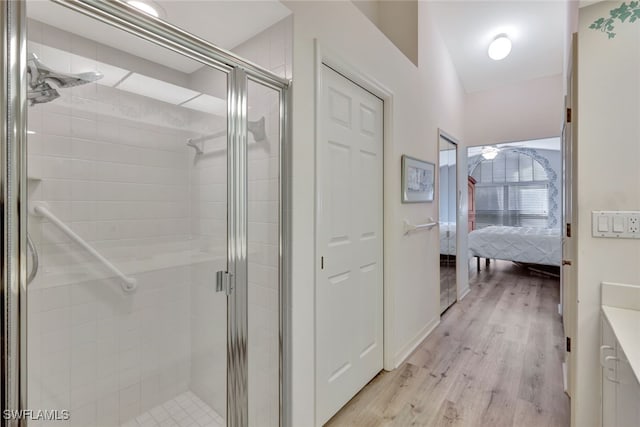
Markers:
<point>495,360</point>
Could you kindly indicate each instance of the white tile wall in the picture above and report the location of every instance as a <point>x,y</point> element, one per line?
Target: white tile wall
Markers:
<point>114,166</point>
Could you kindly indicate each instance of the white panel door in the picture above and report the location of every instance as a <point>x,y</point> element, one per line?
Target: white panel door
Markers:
<point>349,351</point>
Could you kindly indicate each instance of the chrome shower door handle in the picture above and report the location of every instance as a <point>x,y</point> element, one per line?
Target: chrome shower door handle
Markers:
<point>223,282</point>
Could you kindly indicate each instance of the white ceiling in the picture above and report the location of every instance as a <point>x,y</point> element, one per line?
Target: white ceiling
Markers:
<point>535,27</point>
<point>223,23</point>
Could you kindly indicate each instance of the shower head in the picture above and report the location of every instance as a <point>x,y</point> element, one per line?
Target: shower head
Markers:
<point>257,129</point>
<point>41,94</point>
<point>41,74</point>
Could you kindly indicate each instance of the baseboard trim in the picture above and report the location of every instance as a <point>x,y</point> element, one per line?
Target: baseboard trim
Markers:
<point>409,347</point>
<point>464,293</point>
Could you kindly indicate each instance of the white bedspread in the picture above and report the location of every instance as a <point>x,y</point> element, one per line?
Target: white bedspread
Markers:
<point>521,244</point>
<point>448,238</point>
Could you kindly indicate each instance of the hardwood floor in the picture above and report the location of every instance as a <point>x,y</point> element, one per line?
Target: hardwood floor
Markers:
<point>495,360</point>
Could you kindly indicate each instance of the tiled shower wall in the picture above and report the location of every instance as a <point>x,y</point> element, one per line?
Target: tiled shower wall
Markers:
<point>114,167</point>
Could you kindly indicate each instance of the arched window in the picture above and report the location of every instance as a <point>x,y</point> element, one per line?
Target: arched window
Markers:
<point>511,189</point>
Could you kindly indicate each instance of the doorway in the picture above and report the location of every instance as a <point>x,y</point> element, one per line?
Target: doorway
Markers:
<point>144,275</point>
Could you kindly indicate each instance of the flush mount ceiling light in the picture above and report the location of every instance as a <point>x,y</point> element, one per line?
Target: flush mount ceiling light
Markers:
<point>147,6</point>
<point>500,47</point>
<point>489,153</point>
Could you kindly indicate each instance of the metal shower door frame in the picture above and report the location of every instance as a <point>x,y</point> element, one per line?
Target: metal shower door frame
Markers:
<point>13,195</point>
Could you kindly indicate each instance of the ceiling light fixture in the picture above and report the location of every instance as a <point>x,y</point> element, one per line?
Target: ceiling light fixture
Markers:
<point>146,6</point>
<point>500,47</point>
<point>489,153</point>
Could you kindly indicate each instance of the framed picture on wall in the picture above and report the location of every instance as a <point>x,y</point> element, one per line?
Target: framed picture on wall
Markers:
<point>418,179</point>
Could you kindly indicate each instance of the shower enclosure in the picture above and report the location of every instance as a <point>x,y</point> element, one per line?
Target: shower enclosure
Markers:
<point>143,212</point>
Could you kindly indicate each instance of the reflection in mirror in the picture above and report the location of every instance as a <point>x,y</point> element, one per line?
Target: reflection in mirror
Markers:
<point>448,214</point>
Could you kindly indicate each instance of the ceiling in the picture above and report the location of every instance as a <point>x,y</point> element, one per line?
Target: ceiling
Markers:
<point>226,24</point>
<point>536,28</point>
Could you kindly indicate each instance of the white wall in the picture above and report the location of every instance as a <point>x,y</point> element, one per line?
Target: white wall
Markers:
<point>398,20</point>
<point>518,112</point>
<point>608,177</point>
<point>424,99</point>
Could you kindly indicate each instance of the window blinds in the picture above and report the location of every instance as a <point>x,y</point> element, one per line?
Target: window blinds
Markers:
<point>512,189</point>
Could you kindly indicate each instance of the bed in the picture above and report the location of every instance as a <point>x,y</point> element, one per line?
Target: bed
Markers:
<point>519,244</point>
<point>448,238</point>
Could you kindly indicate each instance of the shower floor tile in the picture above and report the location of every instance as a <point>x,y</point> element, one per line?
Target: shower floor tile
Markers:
<point>184,410</point>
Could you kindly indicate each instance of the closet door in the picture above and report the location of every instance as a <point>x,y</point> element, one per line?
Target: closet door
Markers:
<point>349,290</point>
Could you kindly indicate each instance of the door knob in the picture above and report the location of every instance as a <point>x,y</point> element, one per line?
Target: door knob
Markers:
<point>566,262</point>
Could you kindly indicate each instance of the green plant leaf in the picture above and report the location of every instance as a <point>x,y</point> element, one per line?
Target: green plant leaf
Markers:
<point>622,13</point>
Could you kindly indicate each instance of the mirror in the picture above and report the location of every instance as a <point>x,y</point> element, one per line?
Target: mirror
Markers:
<point>448,211</point>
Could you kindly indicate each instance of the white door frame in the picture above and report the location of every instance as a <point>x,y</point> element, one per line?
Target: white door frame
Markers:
<point>324,56</point>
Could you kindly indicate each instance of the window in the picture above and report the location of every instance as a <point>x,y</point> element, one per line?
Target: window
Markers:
<point>512,189</point>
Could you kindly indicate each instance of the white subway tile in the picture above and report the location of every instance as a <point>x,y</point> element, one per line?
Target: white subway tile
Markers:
<point>82,128</point>
<point>56,320</point>
<point>56,124</point>
<point>55,298</point>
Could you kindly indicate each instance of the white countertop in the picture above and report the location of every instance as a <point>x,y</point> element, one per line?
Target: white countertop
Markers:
<point>625,324</point>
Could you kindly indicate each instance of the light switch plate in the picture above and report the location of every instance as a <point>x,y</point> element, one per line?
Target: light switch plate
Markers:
<point>616,224</point>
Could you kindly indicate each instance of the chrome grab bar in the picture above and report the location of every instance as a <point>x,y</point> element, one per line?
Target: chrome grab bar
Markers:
<point>409,228</point>
<point>41,209</point>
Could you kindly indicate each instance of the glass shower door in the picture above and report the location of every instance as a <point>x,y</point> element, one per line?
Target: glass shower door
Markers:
<point>263,173</point>
<point>127,192</point>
